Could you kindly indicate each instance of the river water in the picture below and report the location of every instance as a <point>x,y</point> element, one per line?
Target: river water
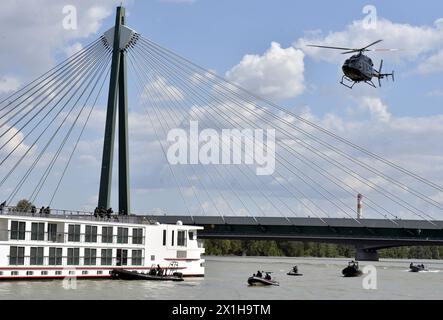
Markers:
<point>226,280</point>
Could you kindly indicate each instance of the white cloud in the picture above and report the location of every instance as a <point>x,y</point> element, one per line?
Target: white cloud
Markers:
<point>277,74</point>
<point>378,110</point>
<point>433,64</point>
<point>33,31</point>
<point>71,50</point>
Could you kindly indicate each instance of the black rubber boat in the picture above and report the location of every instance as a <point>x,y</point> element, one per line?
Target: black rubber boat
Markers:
<point>293,274</point>
<point>417,268</point>
<point>352,270</point>
<point>256,281</point>
<point>120,274</point>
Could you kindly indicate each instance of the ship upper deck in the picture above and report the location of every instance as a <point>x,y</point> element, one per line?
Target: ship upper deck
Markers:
<point>83,216</point>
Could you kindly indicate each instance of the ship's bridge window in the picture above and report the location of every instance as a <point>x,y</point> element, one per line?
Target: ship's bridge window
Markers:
<point>106,257</point>
<point>37,231</point>
<point>137,236</point>
<point>122,235</point>
<point>17,256</point>
<point>137,257</point>
<point>74,233</point>
<point>122,257</point>
<point>52,232</point>
<point>107,235</point>
<point>181,238</point>
<point>90,258</point>
<point>18,230</point>
<point>192,235</point>
<point>73,256</point>
<point>91,234</point>
<point>55,256</point>
<point>37,256</point>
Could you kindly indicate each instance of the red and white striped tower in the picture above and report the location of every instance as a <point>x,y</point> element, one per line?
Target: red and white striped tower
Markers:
<point>360,206</point>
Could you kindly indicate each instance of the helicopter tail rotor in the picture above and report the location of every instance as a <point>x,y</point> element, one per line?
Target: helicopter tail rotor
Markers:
<point>380,72</point>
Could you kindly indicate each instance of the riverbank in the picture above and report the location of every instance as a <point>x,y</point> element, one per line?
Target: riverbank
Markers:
<point>316,250</point>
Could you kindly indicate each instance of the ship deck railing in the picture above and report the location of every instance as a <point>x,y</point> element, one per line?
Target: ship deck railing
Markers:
<point>78,215</point>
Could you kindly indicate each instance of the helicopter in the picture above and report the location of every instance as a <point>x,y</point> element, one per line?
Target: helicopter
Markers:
<point>359,67</point>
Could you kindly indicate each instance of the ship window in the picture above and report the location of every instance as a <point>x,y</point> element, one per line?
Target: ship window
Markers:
<point>181,238</point>
<point>1,273</point>
<point>85,273</point>
<point>17,256</point>
<point>164,237</point>
<point>44,273</point>
<point>173,238</point>
<point>99,272</point>
<point>91,234</point>
<point>58,273</point>
<point>14,273</point>
<point>29,273</point>
<point>73,256</point>
<point>74,233</point>
<point>17,230</point>
<point>90,257</point>
<point>152,258</point>
<point>122,235</point>
<point>106,257</point>
<point>37,231</point>
<point>55,256</point>
<point>72,273</point>
<point>37,256</point>
<point>137,236</point>
<point>107,234</point>
<point>137,257</point>
<point>52,232</point>
<point>191,235</point>
<point>122,257</point>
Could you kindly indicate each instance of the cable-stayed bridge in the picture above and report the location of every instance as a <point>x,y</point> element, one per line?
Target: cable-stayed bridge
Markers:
<point>236,163</point>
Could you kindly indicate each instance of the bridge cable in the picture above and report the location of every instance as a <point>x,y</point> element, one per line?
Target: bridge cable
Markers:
<point>359,148</point>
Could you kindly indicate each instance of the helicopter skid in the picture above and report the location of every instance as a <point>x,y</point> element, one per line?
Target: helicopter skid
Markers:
<point>349,83</point>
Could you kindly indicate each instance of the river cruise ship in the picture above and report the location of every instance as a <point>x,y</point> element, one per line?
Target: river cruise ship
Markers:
<point>64,244</point>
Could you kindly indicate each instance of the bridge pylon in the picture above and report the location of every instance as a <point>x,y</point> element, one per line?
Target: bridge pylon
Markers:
<point>118,39</point>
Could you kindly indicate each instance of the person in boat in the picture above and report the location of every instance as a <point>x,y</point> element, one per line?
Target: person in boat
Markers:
<point>159,271</point>
<point>411,265</point>
<point>295,269</point>
<point>259,274</point>
<point>268,277</point>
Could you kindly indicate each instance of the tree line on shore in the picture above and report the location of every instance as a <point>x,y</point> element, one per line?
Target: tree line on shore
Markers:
<point>317,250</point>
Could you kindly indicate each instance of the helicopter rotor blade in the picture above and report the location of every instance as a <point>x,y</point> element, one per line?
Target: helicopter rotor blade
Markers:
<point>384,50</point>
<point>326,47</point>
<point>372,44</point>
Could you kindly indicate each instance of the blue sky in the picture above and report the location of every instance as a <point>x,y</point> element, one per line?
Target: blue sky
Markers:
<point>402,121</point>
